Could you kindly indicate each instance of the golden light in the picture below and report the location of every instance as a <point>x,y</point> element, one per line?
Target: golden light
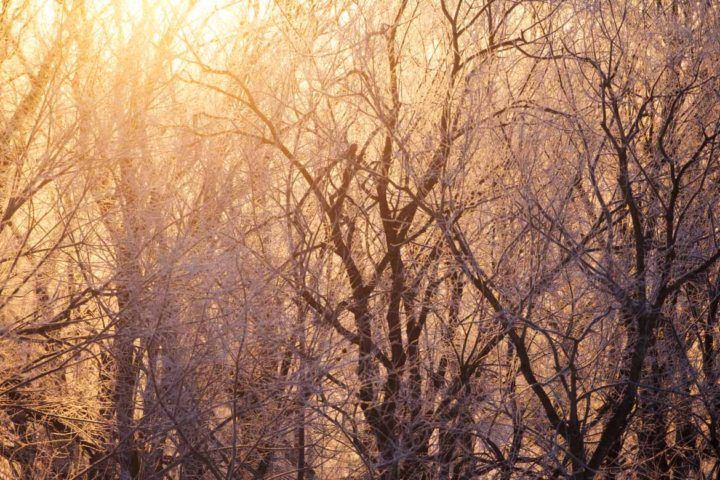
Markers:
<point>138,9</point>
<point>196,9</point>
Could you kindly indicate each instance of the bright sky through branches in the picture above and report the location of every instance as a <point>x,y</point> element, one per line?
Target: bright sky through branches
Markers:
<point>359,239</point>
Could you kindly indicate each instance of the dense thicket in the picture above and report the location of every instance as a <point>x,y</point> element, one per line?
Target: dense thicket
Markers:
<point>359,239</point>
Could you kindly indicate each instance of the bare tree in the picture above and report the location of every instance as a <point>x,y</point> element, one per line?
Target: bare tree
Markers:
<point>359,239</point>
